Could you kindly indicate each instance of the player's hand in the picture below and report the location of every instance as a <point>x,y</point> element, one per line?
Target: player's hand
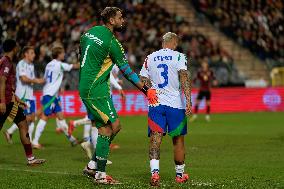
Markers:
<point>152,97</point>
<point>188,109</point>
<point>122,94</point>
<point>22,104</point>
<point>2,108</point>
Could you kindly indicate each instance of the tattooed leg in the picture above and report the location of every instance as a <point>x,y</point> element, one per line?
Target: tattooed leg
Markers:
<point>155,142</point>
<point>154,151</point>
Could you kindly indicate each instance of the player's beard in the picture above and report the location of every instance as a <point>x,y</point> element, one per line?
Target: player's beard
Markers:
<point>119,28</point>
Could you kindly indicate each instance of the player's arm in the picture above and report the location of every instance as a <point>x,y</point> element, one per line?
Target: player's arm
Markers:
<point>68,67</point>
<point>114,82</point>
<point>76,66</point>
<point>144,76</point>
<point>3,77</point>
<point>185,82</point>
<point>186,88</point>
<point>116,85</point>
<point>118,57</point>
<point>22,71</point>
<point>2,94</point>
<point>146,81</point>
<point>27,80</point>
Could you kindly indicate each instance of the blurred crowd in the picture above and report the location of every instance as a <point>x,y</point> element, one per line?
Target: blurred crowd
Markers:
<point>256,24</point>
<point>46,23</point>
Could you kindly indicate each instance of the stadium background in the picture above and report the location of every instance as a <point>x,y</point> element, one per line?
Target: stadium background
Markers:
<point>242,41</point>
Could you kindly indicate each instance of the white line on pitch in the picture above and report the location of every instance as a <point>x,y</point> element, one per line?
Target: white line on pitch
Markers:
<point>37,171</point>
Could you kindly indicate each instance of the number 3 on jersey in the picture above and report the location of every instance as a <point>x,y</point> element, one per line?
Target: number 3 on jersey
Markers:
<point>164,74</point>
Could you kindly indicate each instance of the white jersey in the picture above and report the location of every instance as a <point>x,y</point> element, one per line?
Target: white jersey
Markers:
<point>24,90</point>
<point>53,76</point>
<point>114,83</point>
<point>162,67</point>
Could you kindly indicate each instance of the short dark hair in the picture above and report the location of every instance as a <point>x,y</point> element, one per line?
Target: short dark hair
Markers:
<point>55,51</point>
<point>9,45</point>
<point>26,49</point>
<point>109,12</point>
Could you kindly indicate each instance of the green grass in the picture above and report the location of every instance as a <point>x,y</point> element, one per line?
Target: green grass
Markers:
<point>232,151</point>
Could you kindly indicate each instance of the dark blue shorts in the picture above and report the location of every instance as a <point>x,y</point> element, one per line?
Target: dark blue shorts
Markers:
<point>30,107</point>
<point>50,105</point>
<point>165,119</point>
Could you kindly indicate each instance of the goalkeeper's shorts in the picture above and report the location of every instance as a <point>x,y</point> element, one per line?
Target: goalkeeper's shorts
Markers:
<point>101,110</point>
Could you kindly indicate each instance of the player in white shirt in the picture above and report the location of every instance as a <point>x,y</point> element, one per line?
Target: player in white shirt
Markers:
<point>50,104</point>
<point>166,71</point>
<point>25,77</point>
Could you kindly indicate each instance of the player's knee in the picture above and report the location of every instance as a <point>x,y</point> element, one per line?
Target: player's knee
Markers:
<point>116,126</point>
<point>44,117</point>
<point>106,131</point>
<point>178,141</point>
<point>32,117</point>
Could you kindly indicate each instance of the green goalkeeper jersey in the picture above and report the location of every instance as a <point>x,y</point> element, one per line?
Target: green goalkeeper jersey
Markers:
<point>100,50</point>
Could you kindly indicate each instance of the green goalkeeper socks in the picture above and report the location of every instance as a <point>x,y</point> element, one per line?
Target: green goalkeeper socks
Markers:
<point>102,152</point>
<point>112,137</point>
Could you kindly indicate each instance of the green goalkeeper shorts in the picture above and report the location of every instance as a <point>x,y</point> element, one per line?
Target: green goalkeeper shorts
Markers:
<point>101,110</point>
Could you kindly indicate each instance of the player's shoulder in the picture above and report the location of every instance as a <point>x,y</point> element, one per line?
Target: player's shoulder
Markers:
<point>180,56</point>
<point>53,63</point>
<point>98,31</point>
<point>5,61</point>
<point>21,63</point>
<point>153,54</point>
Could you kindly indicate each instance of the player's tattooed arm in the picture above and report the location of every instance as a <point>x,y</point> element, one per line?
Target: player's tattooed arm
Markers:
<point>146,81</point>
<point>186,87</point>
<point>155,142</point>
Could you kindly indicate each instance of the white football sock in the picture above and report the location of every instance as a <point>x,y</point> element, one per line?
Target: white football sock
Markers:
<point>57,123</point>
<point>63,125</point>
<point>92,164</point>
<point>180,169</point>
<point>83,121</point>
<point>94,136</point>
<point>39,129</point>
<point>100,175</point>
<point>12,129</point>
<point>87,129</point>
<point>154,165</point>
<point>31,129</point>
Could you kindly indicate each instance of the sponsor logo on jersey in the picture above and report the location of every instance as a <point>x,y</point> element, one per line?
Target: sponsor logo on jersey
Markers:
<point>6,70</point>
<point>94,38</point>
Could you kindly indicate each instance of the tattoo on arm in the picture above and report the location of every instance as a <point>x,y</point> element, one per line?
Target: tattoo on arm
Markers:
<point>155,142</point>
<point>185,84</point>
<point>146,81</point>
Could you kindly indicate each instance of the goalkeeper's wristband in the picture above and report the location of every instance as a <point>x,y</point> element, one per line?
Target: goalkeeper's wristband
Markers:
<point>144,89</point>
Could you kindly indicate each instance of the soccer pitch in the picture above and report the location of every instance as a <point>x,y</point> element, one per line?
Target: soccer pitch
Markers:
<point>232,151</point>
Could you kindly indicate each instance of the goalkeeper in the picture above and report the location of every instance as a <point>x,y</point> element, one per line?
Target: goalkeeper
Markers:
<point>100,50</point>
